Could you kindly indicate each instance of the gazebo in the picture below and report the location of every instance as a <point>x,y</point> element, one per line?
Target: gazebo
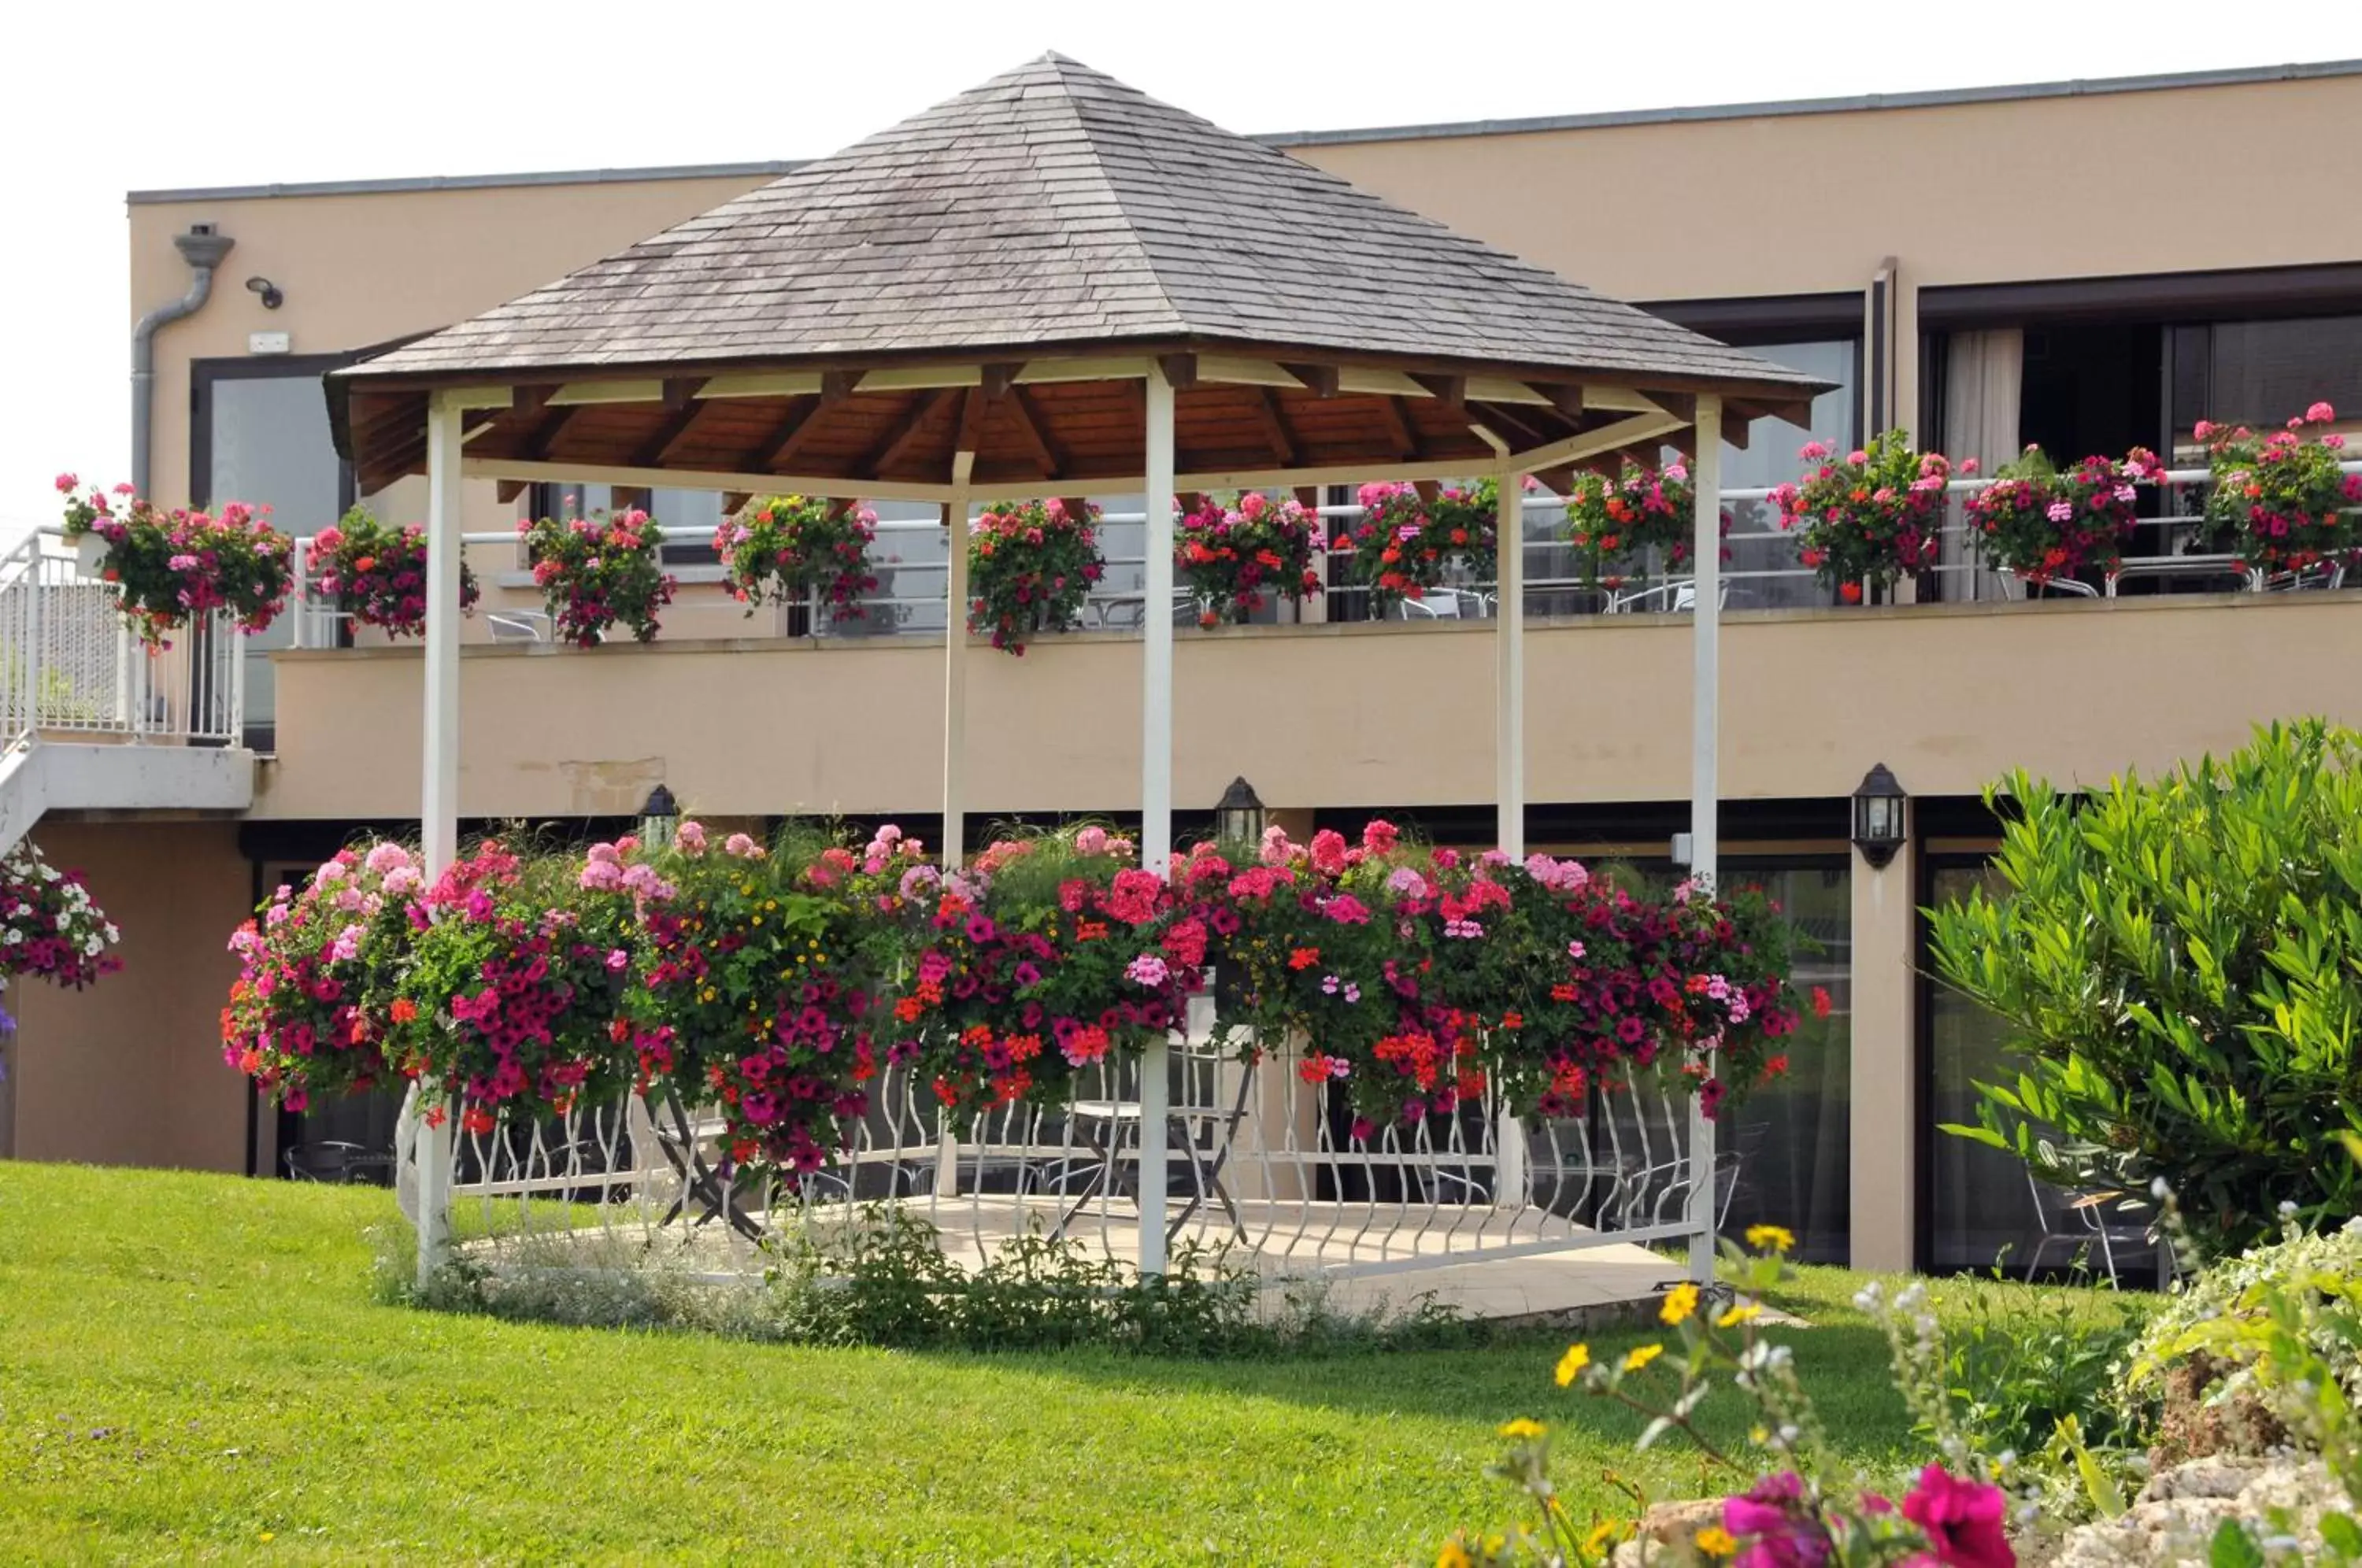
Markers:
<point>1052,286</point>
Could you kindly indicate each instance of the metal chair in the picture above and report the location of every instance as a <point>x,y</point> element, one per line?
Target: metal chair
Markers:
<point>2077,1219</point>
<point>1441,604</point>
<point>518,626</point>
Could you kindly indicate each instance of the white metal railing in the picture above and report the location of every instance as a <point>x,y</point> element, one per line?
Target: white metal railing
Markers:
<point>70,667</point>
<point>1776,578</point>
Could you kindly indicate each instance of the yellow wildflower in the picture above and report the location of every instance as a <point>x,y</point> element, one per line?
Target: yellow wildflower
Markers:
<point>1522,1428</point>
<point>1642,1357</point>
<point>1716,1541</point>
<point>1454,1555</point>
<point>1771,1238</point>
<point>1603,1534</point>
<point>1680,1302</point>
<point>1738,1312</point>
<point>1570,1365</point>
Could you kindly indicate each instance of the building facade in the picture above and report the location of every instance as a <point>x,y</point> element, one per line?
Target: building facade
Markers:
<point>2089,266</point>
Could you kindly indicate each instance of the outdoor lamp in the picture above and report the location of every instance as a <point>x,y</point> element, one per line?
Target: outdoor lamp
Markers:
<point>1238,815</point>
<point>658,817</point>
<point>1878,817</point>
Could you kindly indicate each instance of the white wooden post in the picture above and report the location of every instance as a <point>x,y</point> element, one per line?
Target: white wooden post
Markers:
<point>954,849</point>
<point>1156,789</point>
<point>955,844</point>
<point>1706,697</point>
<point>1509,764</point>
<point>438,811</point>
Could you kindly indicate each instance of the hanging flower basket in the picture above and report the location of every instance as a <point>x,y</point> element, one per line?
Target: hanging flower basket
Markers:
<point>50,927</point>
<point>792,550</point>
<point>1613,523</point>
<point>1406,546</point>
<point>375,575</point>
<point>2043,524</point>
<point>1869,518</point>
<point>174,567</point>
<point>1236,559</point>
<point>1031,568</point>
<point>2280,499</point>
<point>595,572</point>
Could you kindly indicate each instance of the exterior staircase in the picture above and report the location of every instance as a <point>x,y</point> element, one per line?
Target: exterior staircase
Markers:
<point>91,720</point>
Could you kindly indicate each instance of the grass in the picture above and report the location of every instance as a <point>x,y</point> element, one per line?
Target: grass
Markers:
<point>196,1368</point>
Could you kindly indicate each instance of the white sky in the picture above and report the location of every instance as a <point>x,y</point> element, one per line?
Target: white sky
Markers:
<point>98,98</point>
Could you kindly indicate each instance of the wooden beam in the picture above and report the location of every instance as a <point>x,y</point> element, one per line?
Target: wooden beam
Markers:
<point>996,380</point>
<point>891,446</point>
<point>1506,423</point>
<point>1180,369</point>
<point>1557,480</point>
<point>1566,398</point>
<point>1038,372</point>
<point>1503,389</point>
<point>1322,379</point>
<point>511,489</point>
<point>1427,489</point>
<point>1275,426</point>
<point>1191,500</point>
<point>1308,496</point>
<point>704,479</point>
<point>1451,390</point>
<point>783,440</point>
<point>545,436</point>
<point>761,383</point>
<point>1076,505</point>
<point>835,386</point>
<point>1027,417</point>
<point>680,396</point>
<point>733,501</point>
<point>635,391</point>
<point>920,377</point>
<point>1230,369</point>
<point>971,420</point>
<point>1396,415</point>
<point>1368,382</point>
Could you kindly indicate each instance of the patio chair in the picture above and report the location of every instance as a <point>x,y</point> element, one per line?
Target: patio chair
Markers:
<point>1197,1125</point>
<point>1441,604</point>
<point>518,627</point>
<point>2077,1218</point>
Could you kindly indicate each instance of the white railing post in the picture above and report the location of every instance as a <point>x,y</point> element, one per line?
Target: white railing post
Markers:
<point>1706,698</point>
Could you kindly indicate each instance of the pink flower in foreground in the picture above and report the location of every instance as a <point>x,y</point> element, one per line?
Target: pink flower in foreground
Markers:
<point>2319,414</point>
<point>690,838</point>
<point>1962,1520</point>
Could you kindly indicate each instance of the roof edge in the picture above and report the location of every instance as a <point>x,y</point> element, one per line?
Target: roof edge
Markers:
<point>770,168</point>
<point>2229,76</point>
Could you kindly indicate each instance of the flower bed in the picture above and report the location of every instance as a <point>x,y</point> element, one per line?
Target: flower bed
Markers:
<point>782,982</point>
<point>173,567</point>
<point>2280,497</point>
<point>596,572</point>
<point>789,549</point>
<point>1232,557</point>
<point>2043,524</point>
<point>376,574</point>
<point>1869,518</point>
<point>1406,546</point>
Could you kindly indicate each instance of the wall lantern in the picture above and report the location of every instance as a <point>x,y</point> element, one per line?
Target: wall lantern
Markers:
<point>1878,817</point>
<point>1238,815</point>
<point>659,818</point>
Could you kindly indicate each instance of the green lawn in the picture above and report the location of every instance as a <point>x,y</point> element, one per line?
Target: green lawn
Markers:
<point>195,1368</point>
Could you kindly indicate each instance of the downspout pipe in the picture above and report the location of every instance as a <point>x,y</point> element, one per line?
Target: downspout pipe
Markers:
<point>203,249</point>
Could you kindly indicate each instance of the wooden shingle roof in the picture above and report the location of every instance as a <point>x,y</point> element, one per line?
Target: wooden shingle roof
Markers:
<point>1055,206</point>
<point>1032,229</point>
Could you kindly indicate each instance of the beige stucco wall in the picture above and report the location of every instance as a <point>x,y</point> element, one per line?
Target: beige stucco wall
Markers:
<point>1948,696</point>
<point>129,1071</point>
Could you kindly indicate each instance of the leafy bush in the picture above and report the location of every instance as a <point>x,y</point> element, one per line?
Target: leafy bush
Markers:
<point>2180,964</point>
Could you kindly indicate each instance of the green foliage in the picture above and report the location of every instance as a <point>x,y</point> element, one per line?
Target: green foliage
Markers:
<point>2180,964</point>
<point>1030,564</point>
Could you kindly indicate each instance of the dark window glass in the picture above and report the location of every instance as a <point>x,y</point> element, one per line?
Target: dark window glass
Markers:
<point>1981,1208</point>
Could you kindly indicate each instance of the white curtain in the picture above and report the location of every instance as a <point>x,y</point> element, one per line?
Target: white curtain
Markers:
<point>1983,373</point>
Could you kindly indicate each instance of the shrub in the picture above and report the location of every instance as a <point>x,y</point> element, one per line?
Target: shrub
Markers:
<point>1872,517</point>
<point>596,572</point>
<point>2281,498</point>
<point>790,548</point>
<point>1232,557</point>
<point>174,566</point>
<point>2043,524</point>
<point>2179,967</point>
<point>377,574</point>
<point>1031,568</point>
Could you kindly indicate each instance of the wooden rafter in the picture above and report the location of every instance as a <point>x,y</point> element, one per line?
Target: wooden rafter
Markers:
<point>891,446</point>
<point>973,403</point>
<point>680,397</point>
<point>1321,378</point>
<point>1275,426</point>
<point>783,440</point>
<point>1026,414</point>
<point>1396,415</point>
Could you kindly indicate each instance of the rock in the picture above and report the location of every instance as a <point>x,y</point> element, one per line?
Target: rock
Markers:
<point>2178,1511</point>
<point>1676,1522</point>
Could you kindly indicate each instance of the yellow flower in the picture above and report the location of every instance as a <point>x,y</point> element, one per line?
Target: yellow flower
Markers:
<point>1522,1427</point>
<point>1771,1238</point>
<point>1642,1357</point>
<point>1454,1555</point>
<point>1738,1312</point>
<point>1716,1541</point>
<point>1603,1535</point>
<point>1680,1302</point>
<point>1570,1365</point>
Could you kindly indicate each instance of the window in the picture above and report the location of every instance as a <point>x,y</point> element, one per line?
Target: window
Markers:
<point>1764,570</point>
<point>688,517</point>
<point>1979,1205</point>
<point>2263,372</point>
<point>259,434</point>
